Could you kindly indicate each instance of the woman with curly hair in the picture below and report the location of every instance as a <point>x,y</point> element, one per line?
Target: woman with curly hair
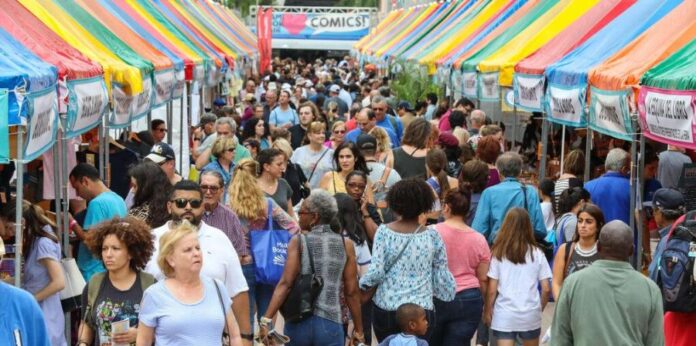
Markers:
<point>124,246</point>
<point>151,188</point>
<point>253,209</point>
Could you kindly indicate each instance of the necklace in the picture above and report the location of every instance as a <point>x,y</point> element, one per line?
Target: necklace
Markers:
<point>586,253</point>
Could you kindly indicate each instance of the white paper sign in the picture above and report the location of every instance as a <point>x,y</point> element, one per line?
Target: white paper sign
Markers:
<point>489,89</point>
<point>565,106</point>
<point>178,90</point>
<point>89,100</point>
<point>164,84</point>
<point>43,115</point>
<point>529,91</point>
<point>608,114</point>
<point>199,73</point>
<point>142,103</point>
<point>470,84</point>
<point>122,107</point>
<point>670,116</point>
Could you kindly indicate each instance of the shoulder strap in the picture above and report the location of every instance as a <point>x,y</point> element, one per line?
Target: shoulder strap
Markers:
<point>394,124</point>
<point>222,305</point>
<point>398,257</point>
<point>569,247</point>
<point>317,164</point>
<point>269,215</point>
<point>333,180</point>
<point>561,230</point>
<point>95,285</point>
<point>308,253</point>
<point>524,193</point>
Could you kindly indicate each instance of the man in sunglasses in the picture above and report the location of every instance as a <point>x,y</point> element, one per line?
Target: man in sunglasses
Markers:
<point>220,260</point>
<point>386,120</point>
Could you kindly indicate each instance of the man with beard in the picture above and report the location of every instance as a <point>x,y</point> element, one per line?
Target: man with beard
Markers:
<point>220,260</point>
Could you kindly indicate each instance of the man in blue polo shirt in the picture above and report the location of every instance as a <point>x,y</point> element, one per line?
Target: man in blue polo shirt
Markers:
<point>380,107</point>
<point>366,121</point>
<point>612,191</point>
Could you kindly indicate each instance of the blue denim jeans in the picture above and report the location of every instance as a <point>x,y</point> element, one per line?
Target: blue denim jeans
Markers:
<point>259,294</point>
<point>384,323</point>
<point>314,331</point>
<point>457,320</point>
<point>524,335</point>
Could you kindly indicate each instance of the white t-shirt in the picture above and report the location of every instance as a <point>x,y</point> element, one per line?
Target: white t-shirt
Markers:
<point>518,305</point>
<point>307,159</point>
<point>549,217</point>
<point>220,260</point>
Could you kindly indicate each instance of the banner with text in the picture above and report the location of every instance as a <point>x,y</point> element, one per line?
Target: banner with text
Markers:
<point>489,89</point>
<point>470,84</point>
<point>321,26</point>
<point>667,116</point>
<point>609,113</point>
<point>4,129</point>
<point>165,82</point>
<point>88,101</point>
<point>566,105</point>
<point>43,122</point>
<point>529,91</point>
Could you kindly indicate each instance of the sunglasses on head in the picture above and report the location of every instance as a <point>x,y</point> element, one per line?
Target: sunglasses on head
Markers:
<point>182,202</point>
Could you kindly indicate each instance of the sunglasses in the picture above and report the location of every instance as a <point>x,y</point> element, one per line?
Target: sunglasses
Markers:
<point>339,131</point>
<point>231,150</point>
<point>210,188</point>
<point>182,202</point>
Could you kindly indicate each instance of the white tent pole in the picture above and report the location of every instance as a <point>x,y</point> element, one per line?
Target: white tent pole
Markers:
<point>19,197</point>
<point>563,135</point>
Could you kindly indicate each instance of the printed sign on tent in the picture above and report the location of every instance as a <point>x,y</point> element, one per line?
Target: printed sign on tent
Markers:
<point>122,107</point>
<point>164,85</point>
<point>88,102</point>
<point>178,89</point>
<point>609,113</point>
<point>456,78</point>
<point>489,89</point>
<point>43,122</point>
<point>142,103</point>
<point>565,105</point>
<point>4,129</point>
<point>470,84</point>
<point>668,115</point>
<point>529,91</point>
<point>321,26</point>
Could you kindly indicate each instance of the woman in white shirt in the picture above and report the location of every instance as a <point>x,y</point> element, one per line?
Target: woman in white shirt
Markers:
<point>514,305</point>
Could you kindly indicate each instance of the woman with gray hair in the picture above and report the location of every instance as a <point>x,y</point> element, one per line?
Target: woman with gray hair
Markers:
<point>223,150</point>
<point>333,259</point>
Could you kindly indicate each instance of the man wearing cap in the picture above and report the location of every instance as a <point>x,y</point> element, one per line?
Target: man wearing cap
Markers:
<point>668,205</point>
<point>22,319</point>
<point>163,155</point>
<point>366,121</point>
<point>405,112</point>
<point>334,96</point>
<point>609,303</point>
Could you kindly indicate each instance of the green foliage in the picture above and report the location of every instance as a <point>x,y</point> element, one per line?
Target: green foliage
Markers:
<point>412,83</point>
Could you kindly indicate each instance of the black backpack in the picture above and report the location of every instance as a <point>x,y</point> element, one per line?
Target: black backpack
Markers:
<point>676,276</point>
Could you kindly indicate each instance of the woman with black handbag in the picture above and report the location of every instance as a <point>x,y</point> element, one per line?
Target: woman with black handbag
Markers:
<point>320,263</point>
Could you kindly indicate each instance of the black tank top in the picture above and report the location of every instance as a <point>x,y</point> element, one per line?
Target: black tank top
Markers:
<point>408,166</point>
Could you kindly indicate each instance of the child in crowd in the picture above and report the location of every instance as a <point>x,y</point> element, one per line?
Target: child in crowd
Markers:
<point>546,188</point>
<point>412,321</point>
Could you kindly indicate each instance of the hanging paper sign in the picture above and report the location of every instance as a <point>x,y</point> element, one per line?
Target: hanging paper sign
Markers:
<point>667,116</point>
<point>529,91</point>
<point>142,103</point>
<point>121,115</point>
<point>212,76</point>
<point>489,89</point>
<point>507,104</point>
<point>180,81</point>
<point>456,79</point>
<point>164,85</point>
<point>609,113</point>
<point>565,105</point>
<point>470,84</point>
<point>43,122</point>
<point>4,127</point>
<point>199,72</point>
<point>88,100</point>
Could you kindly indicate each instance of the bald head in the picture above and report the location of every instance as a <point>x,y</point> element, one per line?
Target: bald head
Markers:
<point>616,241</point>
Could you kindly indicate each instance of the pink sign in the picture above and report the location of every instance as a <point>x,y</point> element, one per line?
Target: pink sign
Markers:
<point>667,116</point>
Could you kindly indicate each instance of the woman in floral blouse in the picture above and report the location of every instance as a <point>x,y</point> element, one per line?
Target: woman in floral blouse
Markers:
<point>409,262</point>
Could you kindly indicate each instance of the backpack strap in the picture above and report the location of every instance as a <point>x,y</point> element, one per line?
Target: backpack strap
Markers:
<point>394,124</point>
<point>93,288</point>
<point>688,216</point>
<point>146,280</point>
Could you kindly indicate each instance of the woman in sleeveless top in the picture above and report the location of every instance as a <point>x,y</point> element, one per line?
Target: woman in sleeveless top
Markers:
<point>582,251</point>
<point>334,261</point>
<point>347,158</point>
<point>439,181</point>
<point>384,153</point>
<point>409,159</point>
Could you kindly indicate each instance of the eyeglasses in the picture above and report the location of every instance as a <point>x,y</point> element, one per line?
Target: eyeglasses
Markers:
<point>339,131</point>
<point>182,202</point>
<point>210,188</point>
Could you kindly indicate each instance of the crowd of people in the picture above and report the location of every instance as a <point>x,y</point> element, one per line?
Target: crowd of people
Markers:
<point>320,196</point>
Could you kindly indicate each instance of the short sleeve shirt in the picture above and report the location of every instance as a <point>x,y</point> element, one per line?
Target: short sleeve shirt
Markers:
<point>309,160</point>
<point>282,194</point>
<point>104,207</point>
<point>279,117</point>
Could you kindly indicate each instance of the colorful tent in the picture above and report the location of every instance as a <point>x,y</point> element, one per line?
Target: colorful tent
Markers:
<point>614,83</point>
<point>567,78</point>
<point>87,98</point>
<point>529,73</point>
<point>385,23</point>
<point>411,27</point>
<point>667,99</point>
<point>29,86</point>
<point>231,23</point>
<point>402,22</point>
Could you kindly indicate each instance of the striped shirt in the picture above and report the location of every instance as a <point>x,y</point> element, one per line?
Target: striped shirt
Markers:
<point>226,220</point>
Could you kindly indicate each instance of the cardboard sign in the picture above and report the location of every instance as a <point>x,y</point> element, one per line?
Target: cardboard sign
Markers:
<point>43,122</point>
<point>88,101</point>
<point>529,91</point>
<point>609,113</point>
<point>565,105</point>
<point>667,116</point>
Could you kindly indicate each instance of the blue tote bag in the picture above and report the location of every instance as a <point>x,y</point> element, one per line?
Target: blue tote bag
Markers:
<point>269,248</point>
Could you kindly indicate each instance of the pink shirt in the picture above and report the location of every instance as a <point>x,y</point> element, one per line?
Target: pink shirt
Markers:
<point>465,250</point>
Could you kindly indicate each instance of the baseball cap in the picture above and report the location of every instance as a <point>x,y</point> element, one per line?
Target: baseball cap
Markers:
<point>405,105</point>
<point>219,102</point>
<point>366,142</point>
<point>207,118</point>
<point>160,152</point>
<point>666,198</point>
<point>335,88</point>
